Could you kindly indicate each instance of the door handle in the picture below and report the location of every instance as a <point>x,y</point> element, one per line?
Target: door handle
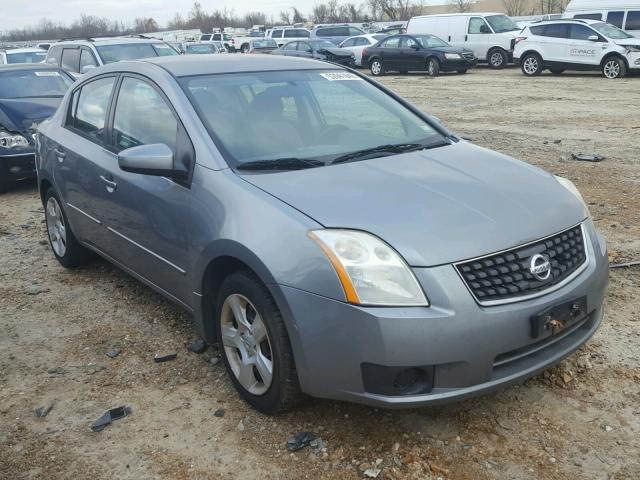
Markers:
<point>111,185</point>
<point>60,155</point>
<point>466,38</point>
<point>449,37</point>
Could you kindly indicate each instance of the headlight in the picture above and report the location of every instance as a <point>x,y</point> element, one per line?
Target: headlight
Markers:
<point>370,271</point>
<point>568,184</point>
<point>12,140</point>
<point>452,56</point>
<point>632,48</point>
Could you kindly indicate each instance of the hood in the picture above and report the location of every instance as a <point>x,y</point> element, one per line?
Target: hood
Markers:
<point>20,114</point>
<point>435,206</point>
<point>338,52</point>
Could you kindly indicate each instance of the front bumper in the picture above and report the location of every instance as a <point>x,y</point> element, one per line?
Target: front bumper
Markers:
<point>468,349</point>
<point>633,59</point>
<point>455,65</point>
<point>16,167</point>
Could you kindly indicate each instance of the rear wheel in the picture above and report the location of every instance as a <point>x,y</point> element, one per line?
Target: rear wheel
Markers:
<point>433,67</point>
<point>255,345</point>
<point>531,64</point>
<point>614,67</point>
<point>498,58</point>
<point>377,67</point>
<point>63,242</point>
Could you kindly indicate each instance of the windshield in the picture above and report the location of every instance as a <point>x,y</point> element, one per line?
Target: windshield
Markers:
<point>264,43</point>
<point>502,23</point>
<point>202,48</point>
<point>134,51</point>
<point>26,57</point>
<point>303,114</point>
<point>430,41</point>
<point>611,31</point>
<point>317,44</point>
<point>33,83</point>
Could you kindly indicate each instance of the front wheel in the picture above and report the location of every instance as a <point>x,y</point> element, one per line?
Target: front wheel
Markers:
<point>244,48</point>
<point>433,67</point>
<point>255,345</point>
<point>376,67</point>
<point>531,64</point>
<point>63,242</point>
<point>498,58</point>
<point>614,67</point>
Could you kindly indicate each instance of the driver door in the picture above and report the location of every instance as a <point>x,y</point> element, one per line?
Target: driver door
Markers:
<point>305,50</point>
<point>412,54</point>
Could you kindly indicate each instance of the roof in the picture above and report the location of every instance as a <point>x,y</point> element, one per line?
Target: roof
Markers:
<point>23,50</point>
<point>185,65</point>
<point>470,14</point>
<point>578,5</point>
<point>106,41</point>
<point>587,21</point>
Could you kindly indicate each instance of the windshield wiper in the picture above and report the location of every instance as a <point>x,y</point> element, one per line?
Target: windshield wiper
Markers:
<point>288,163</point>
<point>393,149</point>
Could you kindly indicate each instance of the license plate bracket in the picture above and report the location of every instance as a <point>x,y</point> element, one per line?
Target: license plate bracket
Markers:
<point>557,318</point>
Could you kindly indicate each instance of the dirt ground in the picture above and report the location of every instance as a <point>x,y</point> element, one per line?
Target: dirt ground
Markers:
<point>579,420</point>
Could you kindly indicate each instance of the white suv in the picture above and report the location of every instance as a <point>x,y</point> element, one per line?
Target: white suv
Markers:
<point>79,55</point>
<point>577,45</point>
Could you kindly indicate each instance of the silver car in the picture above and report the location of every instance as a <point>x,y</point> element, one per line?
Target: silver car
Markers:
<point>334,239</point>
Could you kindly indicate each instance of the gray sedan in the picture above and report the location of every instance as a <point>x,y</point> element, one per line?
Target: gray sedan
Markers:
<point>318,49</point>
<point>337,241</point>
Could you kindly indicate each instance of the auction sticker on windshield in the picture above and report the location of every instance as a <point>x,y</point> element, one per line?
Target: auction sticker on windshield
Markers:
<point>47,74</point>
<point>333,76</point>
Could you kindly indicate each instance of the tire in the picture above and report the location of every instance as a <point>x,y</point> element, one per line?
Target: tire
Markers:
<point>497,58</point>
<point>376,67</point>
<point>63,242</point>
<point>463,71</point>
<point>556,71</point>
<point>614,67</point>
<point>248,358</point>
<point>244,48</point>
<point>531,64</point>
<point>433,67</point>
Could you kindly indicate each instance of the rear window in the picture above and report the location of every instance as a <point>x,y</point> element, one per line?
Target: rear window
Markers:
<point>633,20</point>
<point>296,33</point>
<point>26,57</point>
<point>588,16</point>
<point>333,32</point>
<point>133,51</point>
<point>33,83</point>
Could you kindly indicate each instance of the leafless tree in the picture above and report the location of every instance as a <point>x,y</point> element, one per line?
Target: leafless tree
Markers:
<point>515,8</point>
<point>461,6</point>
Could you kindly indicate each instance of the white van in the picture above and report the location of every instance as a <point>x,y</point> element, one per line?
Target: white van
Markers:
<point>624,14</point>
<point>491,36</point>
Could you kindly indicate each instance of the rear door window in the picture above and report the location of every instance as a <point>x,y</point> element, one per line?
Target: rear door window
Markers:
<point>276,34</point>
<point>89,111</point>
<point>633,20</point>
<point>142,117</point>
<point>538,30</point>
<point>71,59</point>
<point>557,30</point>
<point>615,18</point>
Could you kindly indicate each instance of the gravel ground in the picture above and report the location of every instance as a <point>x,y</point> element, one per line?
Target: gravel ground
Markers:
<point>580,419</point>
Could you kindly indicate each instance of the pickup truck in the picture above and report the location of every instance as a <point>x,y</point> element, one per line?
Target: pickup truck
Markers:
<point>233,43</point>
<point>288,34</point>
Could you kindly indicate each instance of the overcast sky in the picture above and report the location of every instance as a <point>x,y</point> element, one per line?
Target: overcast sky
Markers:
<point>22,13</point>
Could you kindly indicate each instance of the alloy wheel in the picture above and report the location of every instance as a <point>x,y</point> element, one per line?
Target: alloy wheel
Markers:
<point>246,344</point>
<point>56,227</point>
<point>376,67</point>
<point>612,69</point>
<point>530,65</point>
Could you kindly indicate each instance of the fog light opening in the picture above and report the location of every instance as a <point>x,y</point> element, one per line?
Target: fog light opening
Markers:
<point>15,169</point>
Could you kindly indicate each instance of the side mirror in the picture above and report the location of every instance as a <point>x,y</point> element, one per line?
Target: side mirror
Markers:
<point>155,159</point>
<point>87,68</point>
<point>484,29</point>
<point>593,38</point>
<point>415,46</point>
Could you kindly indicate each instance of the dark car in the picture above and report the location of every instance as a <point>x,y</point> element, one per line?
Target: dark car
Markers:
<point>405,53</point>
<point>29,94</point>
<point>318,49</point>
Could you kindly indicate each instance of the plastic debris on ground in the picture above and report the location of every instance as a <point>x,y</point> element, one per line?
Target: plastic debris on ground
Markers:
<point>113,353</point>
<point>165,358</point>
<point>587,157</point>
<point>300,441</point>
<point>219,413</point>
<point>110,416</point>
<point>42,412</point>
<point>199,346</point>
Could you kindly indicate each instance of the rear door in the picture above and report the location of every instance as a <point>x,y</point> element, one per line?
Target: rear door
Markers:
<point>390,53</point>
<point>582,50</point>
<point>80,158</point>
<point>554,43</point>
<point>290,49</point>
<point>147,216</point>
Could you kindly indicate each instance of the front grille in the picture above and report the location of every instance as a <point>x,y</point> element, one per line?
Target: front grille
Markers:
<point>507,276</point>
<point>468,55</point>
